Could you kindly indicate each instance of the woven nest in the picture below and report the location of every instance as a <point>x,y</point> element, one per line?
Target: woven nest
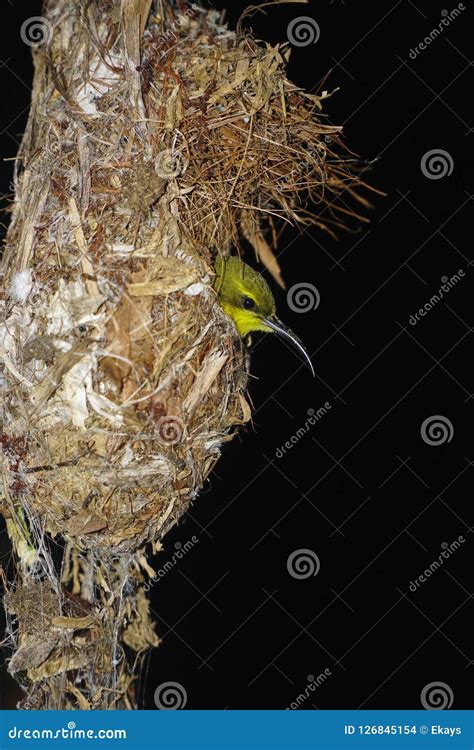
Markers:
<point>157,139</point>
<point>125,377</point>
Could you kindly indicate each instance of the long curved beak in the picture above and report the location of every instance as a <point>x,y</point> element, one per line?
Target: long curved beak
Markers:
<point>280,328</point>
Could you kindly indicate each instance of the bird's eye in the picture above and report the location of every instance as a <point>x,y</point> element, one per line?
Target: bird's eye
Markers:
<point>249,303</point>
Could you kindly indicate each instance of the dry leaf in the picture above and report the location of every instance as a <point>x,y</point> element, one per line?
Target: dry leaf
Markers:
<point>211,368</point>
<point>33,652</point>
<point>59,662</point>
<point>168,275</point>
<point>85,523</point>
<point>73,623</point>
<point>140,633</point>
<point>252,232</point>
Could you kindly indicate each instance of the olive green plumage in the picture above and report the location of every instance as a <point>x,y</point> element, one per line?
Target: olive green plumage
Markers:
<point>246,298</point>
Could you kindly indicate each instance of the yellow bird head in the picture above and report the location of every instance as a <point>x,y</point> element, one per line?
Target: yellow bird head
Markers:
<point>246,298</point>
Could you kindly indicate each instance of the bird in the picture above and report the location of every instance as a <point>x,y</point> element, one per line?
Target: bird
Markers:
<point>248,300</point>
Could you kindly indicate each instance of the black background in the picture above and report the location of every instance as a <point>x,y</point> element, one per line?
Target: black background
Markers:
<point>361,489</point>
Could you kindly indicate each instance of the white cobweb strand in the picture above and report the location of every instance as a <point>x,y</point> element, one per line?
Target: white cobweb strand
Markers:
<point>21,285</point>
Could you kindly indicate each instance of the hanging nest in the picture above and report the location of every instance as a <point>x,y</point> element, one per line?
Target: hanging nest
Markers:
<point>157,139</point>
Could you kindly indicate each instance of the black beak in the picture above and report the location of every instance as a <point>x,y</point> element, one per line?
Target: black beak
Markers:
<point>280,328</point>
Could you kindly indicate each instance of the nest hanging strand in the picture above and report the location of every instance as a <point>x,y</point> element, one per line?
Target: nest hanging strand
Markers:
<point>156,139</point>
